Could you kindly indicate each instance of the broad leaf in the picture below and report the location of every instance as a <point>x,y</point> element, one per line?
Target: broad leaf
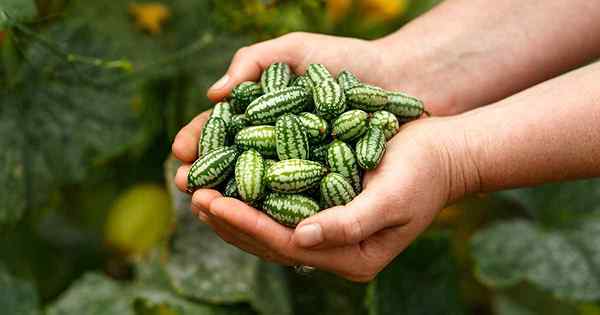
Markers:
<point>564,262</point>
<point>17,296</point>
<point>421,280</point>
<point>12,11</point>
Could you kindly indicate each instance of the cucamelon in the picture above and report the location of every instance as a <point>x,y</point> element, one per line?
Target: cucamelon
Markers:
<point>243,94</point>
<point>350,125</point>
<point>329,99</point>
<point>341,160</point>
<point>259,138</point>
<point>276,77</point>
<point>237,123</point>
<point>304,82</point>
<point>291,139</point>
<point>213,168</point>
<point>213,136</point>
<point>317,72</point>
<point>386,121</point>
<point>294,175</point>
<point>319,153</point>
<point>269,163</point>
<point>230,189</point>
<point>347,80</point>
<point>370,148</point>
<point>315,127</point>
<point>289,209</point>
<point>366,97</point>
<point>222,110</point>
<point>267,108</point>
<point>249,171</point>
<point>404,105</point>
<point>336,190</point>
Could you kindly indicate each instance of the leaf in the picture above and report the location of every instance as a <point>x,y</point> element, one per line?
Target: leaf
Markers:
<point>421,280</point>
<point>17,296</point>
<point>149,299</point>
<point>564,262</point>
<point>12,11</point>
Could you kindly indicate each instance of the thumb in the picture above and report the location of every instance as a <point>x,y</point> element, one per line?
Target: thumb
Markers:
<point>368,213</point>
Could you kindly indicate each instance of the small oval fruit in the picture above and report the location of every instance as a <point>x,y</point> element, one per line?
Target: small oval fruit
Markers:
<point>329,99</point>
<point>222,110</point>
<point>249,171</point>
<point>341,160</point>
<point>386,121</point>
<point>319,153</point>
<point>336,190</point>
<point>367,97</point>
<point>289,209</point>
<point>370,148</point>
<point>259,138</point>
<point>267,108</point>
<point>212,169</point>
<point>214,135</point>
<point>292,142</point>
<point>304,82</point>
<point>294,175</point>
<point>347,80</point>
<point>231,189</point>
<point>350,125</point>
<point>276,77</point>
<point>317,72</point>
<point>243,94</point>
<point>404,105</point>
<point>237,123</point>
<point>315,127</point>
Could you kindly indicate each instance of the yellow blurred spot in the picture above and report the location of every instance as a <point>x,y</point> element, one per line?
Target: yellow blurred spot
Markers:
<point>449,215</point>
<point>149,17</point>
<point>383,9</point>
<point>337,9</point>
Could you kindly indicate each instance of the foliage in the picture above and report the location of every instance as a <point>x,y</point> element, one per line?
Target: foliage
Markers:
<point>92,94</point>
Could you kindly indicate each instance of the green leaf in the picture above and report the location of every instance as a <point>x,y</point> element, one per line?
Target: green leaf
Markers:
<point>17,296</point>
<point>564,262</point>
<point>151,299</point>
<point>12,11</point>
<point>421,280</point>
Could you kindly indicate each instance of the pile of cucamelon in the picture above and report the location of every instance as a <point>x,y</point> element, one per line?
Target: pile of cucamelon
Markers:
<point>293,145</point>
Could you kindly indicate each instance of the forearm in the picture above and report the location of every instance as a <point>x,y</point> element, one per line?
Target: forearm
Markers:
<point>464,54</point>
<point>550,132</point>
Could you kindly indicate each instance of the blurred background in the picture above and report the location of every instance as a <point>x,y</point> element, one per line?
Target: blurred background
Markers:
<point>91,96</point>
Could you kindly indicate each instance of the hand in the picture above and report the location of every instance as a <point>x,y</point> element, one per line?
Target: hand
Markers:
<point>356,241</point>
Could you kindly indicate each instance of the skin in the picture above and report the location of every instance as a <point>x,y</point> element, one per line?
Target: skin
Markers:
<point>548,132</point>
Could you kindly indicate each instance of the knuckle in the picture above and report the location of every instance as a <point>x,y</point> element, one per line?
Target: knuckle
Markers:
<point>352,230</point>
<point>240,53</point>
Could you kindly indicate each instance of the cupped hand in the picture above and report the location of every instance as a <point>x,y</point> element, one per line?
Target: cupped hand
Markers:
<point>356,241</point>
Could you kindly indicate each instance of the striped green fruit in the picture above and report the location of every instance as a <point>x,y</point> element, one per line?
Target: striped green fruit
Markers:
<point>329,99</point>
<point>214,135</point>
<point>237,123</point>
<point>304,82</point>
<point>269,163</point>
<point>231,189</point>
<point>249,171</point>
<point>243,94</point>
<point>266,109</point>
<point>222,110</point>
<point>370,148</point>
<point>386,121</point>
<point>350,125</point>
<point>294,175</point>
<point>347,80</point>
<point>404,105</point>
<point>212,169</point>
<point>317,72</point>
<point>366,97</point>
<point>341,160</point>
<point>315,127</point>
<point>291,139</point>
<point>336,190</point>
<point>259,138</point>
<point>319,153</point>
<point>276,77</point>
<point>289,209</point>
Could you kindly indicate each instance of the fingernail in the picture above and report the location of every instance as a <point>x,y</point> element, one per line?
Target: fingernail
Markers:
<point>309,235</point>
<point>221,83</point>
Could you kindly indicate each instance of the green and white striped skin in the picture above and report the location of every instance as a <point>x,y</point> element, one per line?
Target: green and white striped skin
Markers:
<point>329,99</point>
<point>289,209</point>
<point>291,139</point>
<point>317,72</point>
<point>222,110</point>
<point>295,175</point>
<point>336,190</point>
<point>269,163</point>
<point>350,125</point>
<point>237,123</point>
<point>267,108</point>
<point>231,189</point>
<point>249,171</point>
<point>304,82</point>
<point>341,159</point>
<point>404,105</point>
<point>315,127</point>
<point>213,136</point>
<point>366,97</point>
<point>387,122</point>
<point>276,77</point>
<point>259,138</point>
<point>243,94</point>
<point>213,168</point>
<point>347,80</point>
<point>319,153</point>
<point>370,148</point>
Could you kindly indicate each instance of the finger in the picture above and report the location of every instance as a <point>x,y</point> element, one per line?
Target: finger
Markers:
<point>185,145</point>
<point>181,177</point>
<point>368,213</point>
<point>249,62</point>
<point>201,200</point>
